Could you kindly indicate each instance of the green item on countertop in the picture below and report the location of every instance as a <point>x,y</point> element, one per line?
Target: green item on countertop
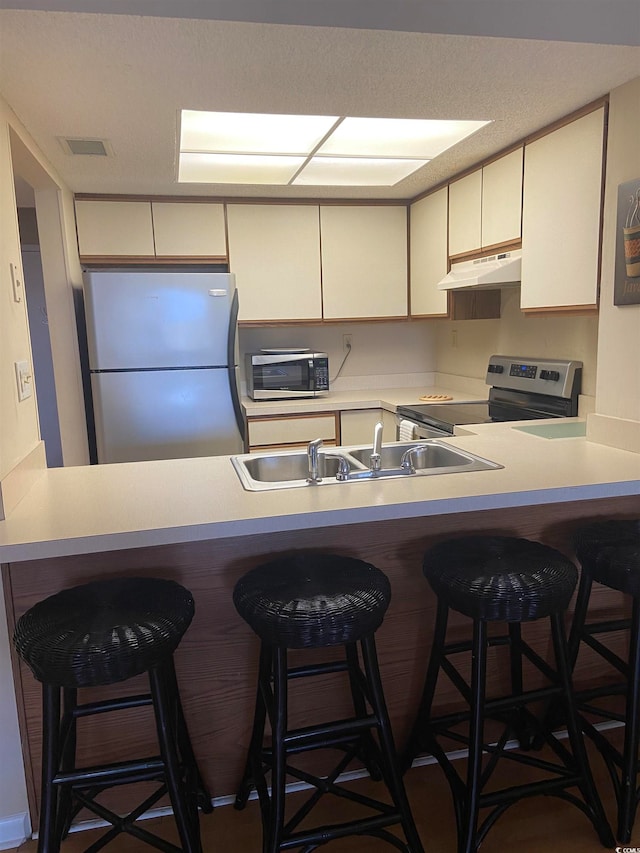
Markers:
<point>576,429</point>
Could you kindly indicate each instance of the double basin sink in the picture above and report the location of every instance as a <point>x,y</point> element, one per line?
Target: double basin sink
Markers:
<point>290,469</point>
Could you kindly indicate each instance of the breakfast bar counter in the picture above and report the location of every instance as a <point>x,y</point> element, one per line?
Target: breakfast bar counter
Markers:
<point>190,520</point>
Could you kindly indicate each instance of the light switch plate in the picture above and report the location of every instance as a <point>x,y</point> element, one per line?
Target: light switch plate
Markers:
<point>24,380</point>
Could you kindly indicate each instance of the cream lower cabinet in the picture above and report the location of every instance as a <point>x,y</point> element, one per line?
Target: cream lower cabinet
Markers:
<point>274,251</point>
<point>428,258</point>
<point>562,216</point>
<point>291,431</point>
<point>364,261</point>
<point>357,426</point>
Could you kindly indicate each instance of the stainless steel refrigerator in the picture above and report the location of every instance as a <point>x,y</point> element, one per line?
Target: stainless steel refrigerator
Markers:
<point>163,361</point>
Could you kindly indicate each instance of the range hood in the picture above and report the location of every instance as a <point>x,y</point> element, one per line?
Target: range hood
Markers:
<point>493,271</point>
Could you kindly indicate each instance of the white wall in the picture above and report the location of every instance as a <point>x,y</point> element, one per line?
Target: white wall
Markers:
<point>517,334</point>
<point>378,349</point>
<point>617,417</point>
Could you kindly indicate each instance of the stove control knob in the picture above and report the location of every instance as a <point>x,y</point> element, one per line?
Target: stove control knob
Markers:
<point>551,375</point>
<point>495,368</point>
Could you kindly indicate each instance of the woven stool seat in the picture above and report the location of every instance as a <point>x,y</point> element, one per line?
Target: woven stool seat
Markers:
<point>498,578</point>
<point>103,632</point>
<point>313,600</point>
<point>590,540</point>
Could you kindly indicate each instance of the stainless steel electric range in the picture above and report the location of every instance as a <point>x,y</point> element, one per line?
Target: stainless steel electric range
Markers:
<point>521,389</point>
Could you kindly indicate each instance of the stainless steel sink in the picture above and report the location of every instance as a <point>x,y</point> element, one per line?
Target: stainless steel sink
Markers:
<point>289,469</point>
<point>429,455</point>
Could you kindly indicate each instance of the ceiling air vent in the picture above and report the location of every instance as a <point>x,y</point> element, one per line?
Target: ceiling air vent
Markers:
<point>91,147</point>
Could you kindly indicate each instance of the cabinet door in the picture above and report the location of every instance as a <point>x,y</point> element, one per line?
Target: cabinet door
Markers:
<point>291,431</point>
<point>274,251</point>
<point>357,426</point>
<point>428,254</point>
<point>364,261</point>
<point>114,228</point>
<point>561,215</point>
<point>502,200</point>
<point>189,229</point>
<point>465,214</point>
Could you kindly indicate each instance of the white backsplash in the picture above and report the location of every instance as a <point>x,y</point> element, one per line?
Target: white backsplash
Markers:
<point>380,351</point>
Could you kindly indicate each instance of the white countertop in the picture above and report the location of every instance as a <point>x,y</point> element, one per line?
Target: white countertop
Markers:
<point>372,398</point>
<point>108,507</point>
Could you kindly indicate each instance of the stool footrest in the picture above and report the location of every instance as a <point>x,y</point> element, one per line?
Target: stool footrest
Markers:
<point>364,826</point>
<point>298,739</point>
<point>124,703</point>
<point>111,774</point>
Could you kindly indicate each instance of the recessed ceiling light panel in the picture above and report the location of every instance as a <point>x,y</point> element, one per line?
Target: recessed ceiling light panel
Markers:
<point>252,133</point>
<point>237,169</point>
<point>356,171</point>
<point>383,137</point>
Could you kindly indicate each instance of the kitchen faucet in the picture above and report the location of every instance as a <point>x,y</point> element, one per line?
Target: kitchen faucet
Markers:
<point>313,457</point>
<point>375,461</point>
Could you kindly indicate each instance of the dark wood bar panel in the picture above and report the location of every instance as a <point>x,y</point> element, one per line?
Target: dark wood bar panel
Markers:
<point>217,659</point>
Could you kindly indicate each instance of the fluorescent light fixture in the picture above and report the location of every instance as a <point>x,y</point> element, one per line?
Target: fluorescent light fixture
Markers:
<point>384,137</point>
<point>237,168</point>
<point>258,148</point>
<point>356,171</point>
<point>252,133</point>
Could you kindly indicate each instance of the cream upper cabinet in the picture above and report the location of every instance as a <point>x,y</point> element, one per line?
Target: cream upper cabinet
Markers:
<point>502,200</point>
<point>364,261</point>
<point>274,251</point>
<point>465,214</point>
<point>485,207</point>
<point>428,262</point>
<point>189,229</point>
<point>114,228</point>
<point>561,215</point>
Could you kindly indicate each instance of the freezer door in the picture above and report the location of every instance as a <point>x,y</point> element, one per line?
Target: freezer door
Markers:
<point>164,414</point>
<point>157,319</point>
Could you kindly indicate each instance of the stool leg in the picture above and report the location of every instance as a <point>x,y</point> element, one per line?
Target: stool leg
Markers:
<point>579,616</point>
<point>628,782</point>
<point>198,788</point>
<point>521,725</point>
<point>48,842</point>
<point>414,744</point>
<point>67,761</point>
<point>587,787</point>
<point>251,776</point>
<point>166,726</point>
<point>467,841</point>
<point>391,770</point>
<point>279,724</point>
<point>359,707</point>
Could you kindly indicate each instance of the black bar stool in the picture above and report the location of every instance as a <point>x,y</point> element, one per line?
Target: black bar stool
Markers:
<point>99,634</point>
<point>495,579</point>
<point>609,554</point>
<point>312,601</point>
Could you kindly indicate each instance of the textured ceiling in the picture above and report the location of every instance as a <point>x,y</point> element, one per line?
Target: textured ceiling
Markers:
<point>124,78</point>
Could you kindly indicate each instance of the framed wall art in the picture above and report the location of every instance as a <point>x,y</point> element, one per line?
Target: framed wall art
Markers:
<point>626,288</point>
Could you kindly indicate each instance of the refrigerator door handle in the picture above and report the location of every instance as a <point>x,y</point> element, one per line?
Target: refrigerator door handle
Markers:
<point>231,363</point>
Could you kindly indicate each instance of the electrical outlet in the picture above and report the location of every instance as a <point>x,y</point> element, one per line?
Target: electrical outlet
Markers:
<point>347,342</point>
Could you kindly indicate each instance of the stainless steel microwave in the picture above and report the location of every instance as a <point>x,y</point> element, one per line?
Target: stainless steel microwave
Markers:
<point>281,376</point>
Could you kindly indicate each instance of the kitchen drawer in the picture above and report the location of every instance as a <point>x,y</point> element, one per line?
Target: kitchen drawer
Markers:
<point>275,431</point>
